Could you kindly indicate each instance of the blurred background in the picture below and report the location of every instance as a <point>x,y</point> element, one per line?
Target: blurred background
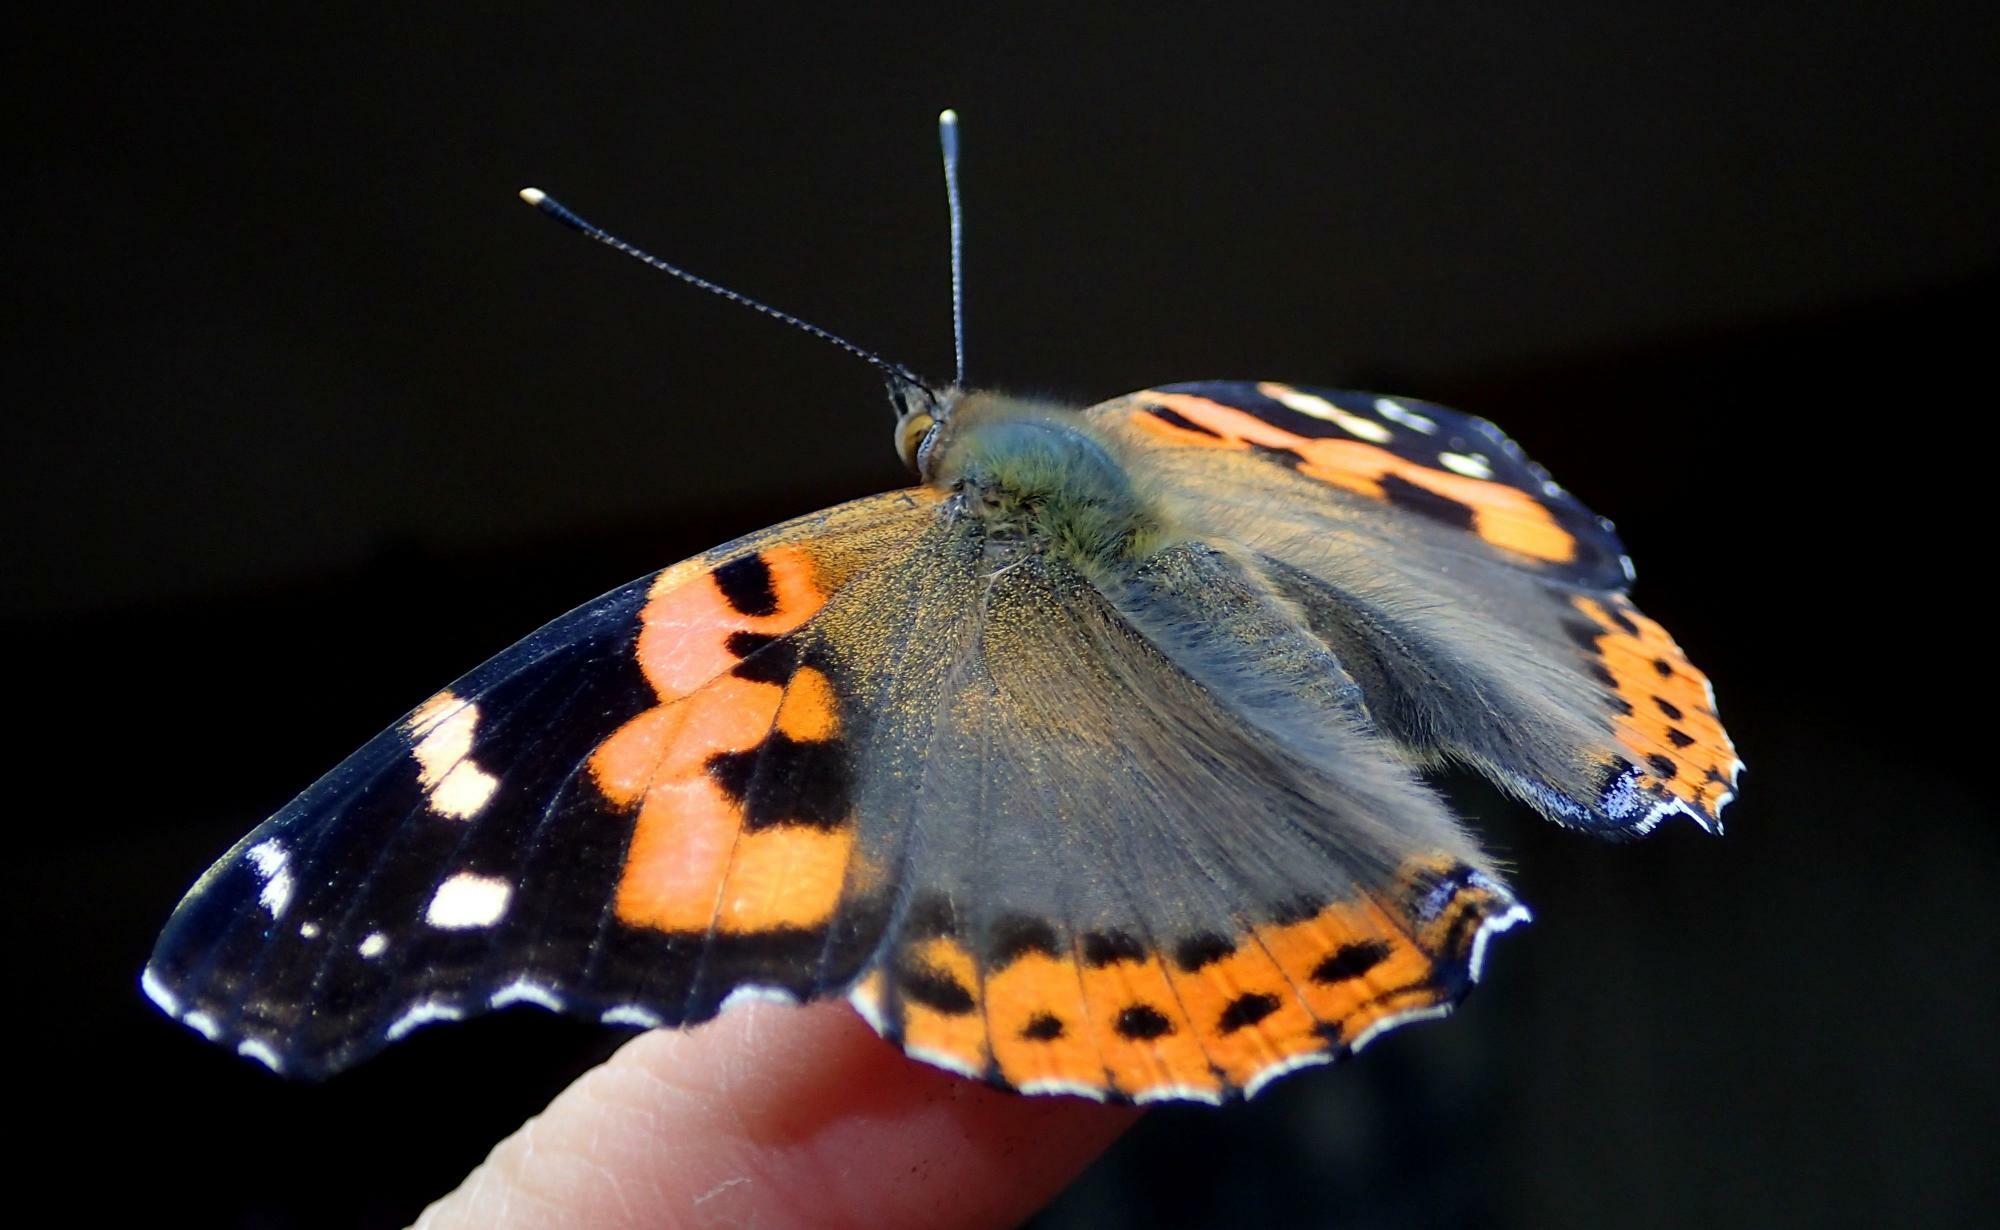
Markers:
<point>310,415</point>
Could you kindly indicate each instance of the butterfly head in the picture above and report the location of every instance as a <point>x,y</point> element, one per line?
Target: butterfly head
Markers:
<point>920,412</point>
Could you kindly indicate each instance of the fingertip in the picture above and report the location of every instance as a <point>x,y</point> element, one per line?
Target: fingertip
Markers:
<point>780,1115</point>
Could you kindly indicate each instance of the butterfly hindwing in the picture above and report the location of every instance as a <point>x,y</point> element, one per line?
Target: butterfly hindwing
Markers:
<point>1480,606</point>
<point>500,843</point>
<point>1142,847</point>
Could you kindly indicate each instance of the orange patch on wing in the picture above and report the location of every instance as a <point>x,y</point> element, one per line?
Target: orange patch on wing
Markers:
<point>950,1029</point>
<point>679,855</point>
<point>810,713</point>
<point>1246,1014</point>
<point>691,864</point>
<point>1144,1038</point>
<point>1503,516</point>
<point>1672,724</point>
<point>1346,959</point>
<point>1040,1028</point>
<point>787,876</point>
<point>689,616</point>
<point>673,742</point>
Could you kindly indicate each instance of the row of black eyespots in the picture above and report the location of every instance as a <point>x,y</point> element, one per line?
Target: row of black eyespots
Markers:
<point>1590,637</point>
<point>1672,712</point>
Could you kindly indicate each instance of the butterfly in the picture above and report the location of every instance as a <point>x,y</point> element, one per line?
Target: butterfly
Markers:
<point>1090,763</point>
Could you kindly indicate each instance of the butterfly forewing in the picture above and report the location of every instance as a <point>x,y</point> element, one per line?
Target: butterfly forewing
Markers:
<point>495,846</point>
<point>1481,606</point>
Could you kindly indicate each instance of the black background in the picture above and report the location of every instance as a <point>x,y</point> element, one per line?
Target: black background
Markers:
<point>308,415</point>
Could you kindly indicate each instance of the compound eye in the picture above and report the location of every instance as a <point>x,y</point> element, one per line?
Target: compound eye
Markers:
<point>910,435</point>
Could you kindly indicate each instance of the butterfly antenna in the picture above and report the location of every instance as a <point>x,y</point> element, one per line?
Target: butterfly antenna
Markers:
<point>897,373</point>
<point>948,142</point>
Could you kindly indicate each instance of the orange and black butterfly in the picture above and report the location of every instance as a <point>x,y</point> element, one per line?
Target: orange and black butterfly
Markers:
<point>1091,763</point>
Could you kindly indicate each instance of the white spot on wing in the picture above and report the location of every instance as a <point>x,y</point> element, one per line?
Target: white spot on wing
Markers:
<point>463,790</point>
<point>269,857</point>
<point>443,729</point>
<point>1397,412</point>
<point>1387,1023</point>
<point>1472,465</point>
<point>632,1014</point>
<point>1283,1067</point>
<point>155,990</point>
<point>1177,1093</point>
<point>942,1059</point>
<point>752,993</point>
<point>1493,926</point>
<point>467,900</point>
<point>1324,410</point>
<point>521,991</point>
<point>1037,1088</point>
<point>423,1014</point>
<point>261,1052</point>
<point>870,1010</point>
<point>309,930</point>
<point>203,1024</point>
<point>373,945</point>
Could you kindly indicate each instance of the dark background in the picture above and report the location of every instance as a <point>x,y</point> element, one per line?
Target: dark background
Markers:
<point>308,415</point>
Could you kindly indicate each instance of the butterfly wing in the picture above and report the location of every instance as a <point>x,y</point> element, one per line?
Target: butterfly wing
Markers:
<point>503,842</point>
<point>1481,608</point>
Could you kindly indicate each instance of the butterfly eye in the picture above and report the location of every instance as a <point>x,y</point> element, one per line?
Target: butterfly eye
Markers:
<point>910,436</point>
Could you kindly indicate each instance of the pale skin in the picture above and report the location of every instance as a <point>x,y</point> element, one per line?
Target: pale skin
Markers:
<point>779,1116</point>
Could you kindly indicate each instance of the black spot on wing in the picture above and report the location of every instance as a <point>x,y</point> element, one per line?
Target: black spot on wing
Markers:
<point>746,585</point>
<point>1411,497</point>
<point>1289,458</point>
<point>1042,1027</point>
<point>764,658</point>
<point>1201,950</point>
<point>784,781</point>
<point>1178,420</point>
<point>1245,1011</point>
<point>1295,910</point>
<point>931,916</point>
<point>1102,948</point>
<point>936,990</point>
<point>1016,935</point>
<point>1584,633</point>
<point>1351,961</point>
<point>1142,1022</point>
